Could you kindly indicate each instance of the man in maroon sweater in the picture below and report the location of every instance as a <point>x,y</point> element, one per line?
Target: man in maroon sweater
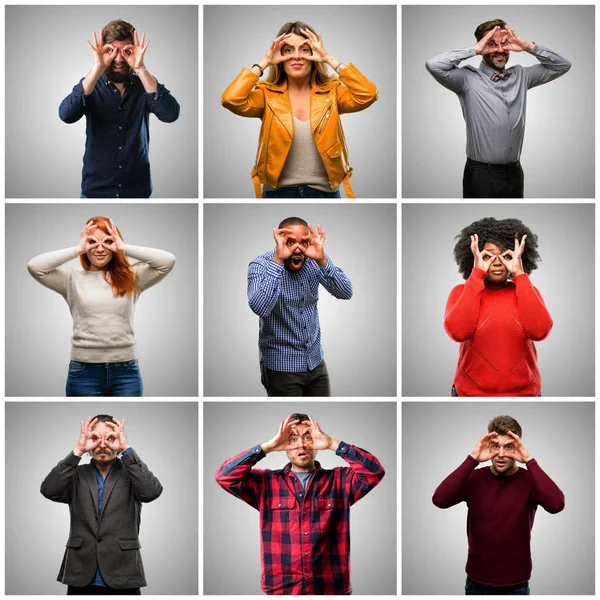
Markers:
<point>502,501</point>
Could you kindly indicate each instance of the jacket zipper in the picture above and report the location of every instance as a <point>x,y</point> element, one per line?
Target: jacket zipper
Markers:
<point>323,120</point>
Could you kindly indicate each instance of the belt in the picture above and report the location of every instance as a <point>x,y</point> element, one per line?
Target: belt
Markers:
<point>258,190</point>
<point>493,167</point>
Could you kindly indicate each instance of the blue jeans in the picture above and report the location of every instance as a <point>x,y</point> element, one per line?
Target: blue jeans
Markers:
<point>473,588</point>
<point>104,379</point>
<point>299,191</point>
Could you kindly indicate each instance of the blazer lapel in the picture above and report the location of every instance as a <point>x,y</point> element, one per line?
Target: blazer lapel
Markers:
<point>116,473</point>
<point>90,479</point>
<point>281,107</point>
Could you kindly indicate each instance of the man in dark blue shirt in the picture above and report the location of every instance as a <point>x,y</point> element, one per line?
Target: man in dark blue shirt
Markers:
<point>116,97</point>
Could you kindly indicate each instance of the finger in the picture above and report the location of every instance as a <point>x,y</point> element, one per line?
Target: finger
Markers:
<point>135,39</point>
<point>522,245</point>
<point>143,40</point>
<point>96,39</point>
<point>102,37</point>
<point>146,46</point>
<point>90,45</point>
<point>503,260</point>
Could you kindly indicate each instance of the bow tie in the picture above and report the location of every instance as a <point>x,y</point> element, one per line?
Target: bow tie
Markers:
<point>495,75</point>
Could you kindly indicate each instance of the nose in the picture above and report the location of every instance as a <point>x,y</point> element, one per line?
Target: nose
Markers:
<point>102,443</point>
<point>501,452</point>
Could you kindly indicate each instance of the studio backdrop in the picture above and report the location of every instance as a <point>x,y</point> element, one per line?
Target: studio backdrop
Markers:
<point>40,434</point>
<point>231,527</point>
<point>558,148</point>
<point>39,325</point>
<point>358,335</point>
<point>564,278</point>
<point>237,36</point>
<point>44,156</point>
<point>436,439</point>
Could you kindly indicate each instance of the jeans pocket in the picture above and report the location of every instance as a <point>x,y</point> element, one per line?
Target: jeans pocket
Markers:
<point>76,369</point>
<point>132,365</point>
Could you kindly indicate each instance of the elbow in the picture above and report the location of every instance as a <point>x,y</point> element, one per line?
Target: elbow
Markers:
<point>258,308</point>
<point>66,115</point>
<point>455,333</point>
<point>151,495</point>
<point>170,262</point>
<point>541,333</point>
<point>439,501</point>
<point>172,115</point>
<point>567,66</point>
<point>556,507</point>
<point>429,65</point>
<point>33,271</point>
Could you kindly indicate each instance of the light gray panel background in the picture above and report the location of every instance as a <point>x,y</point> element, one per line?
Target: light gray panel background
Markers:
<point>558,149</point>
<point>38,322</point>
<point>436,439</point>
<point>231,527</point>
<point>564,277</point>
<point>46,48</point>
<point>358,335</point>
<point>40,434</point>
<point>237,36</point>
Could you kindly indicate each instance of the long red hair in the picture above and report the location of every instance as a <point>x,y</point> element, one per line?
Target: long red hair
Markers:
<point>118,273</point>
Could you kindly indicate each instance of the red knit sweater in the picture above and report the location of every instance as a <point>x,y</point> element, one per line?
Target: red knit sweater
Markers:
<point>496,329</point>
<point>500,517</point>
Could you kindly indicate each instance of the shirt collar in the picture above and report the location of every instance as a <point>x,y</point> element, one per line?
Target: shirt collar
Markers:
<point>287,470</point>
<point>93,463</point>
<point>106,81</point>
<point>488,71</point>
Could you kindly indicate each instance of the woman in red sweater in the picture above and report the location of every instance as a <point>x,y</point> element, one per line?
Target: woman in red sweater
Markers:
<point>497,314</point>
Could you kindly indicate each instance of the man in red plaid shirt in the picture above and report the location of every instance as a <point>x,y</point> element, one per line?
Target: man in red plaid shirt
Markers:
<point>304,509</point>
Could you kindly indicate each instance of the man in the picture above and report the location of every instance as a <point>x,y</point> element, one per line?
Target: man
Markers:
<point>283,290</point>
<point>304,509</point>
<point>493,101</point>
<point>104,498</point>
<point>502,501</point>
<point>117,97</point>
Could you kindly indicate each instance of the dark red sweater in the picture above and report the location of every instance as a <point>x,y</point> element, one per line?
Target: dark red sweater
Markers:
<point>496,329</point>
<point>500,517</point>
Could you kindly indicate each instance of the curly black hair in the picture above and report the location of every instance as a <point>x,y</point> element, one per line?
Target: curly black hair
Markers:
<point>501,233</point>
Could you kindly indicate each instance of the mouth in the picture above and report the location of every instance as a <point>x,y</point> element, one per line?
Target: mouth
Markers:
<point>297,65</point>
<point>497,272</point>
<point>297,261</point>
<point>302,454</point>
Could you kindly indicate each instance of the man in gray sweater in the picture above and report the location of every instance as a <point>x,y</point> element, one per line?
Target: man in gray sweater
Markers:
<point>104,498</point>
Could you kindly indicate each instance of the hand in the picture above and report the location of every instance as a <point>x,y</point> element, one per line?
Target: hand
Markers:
<point>513,43</point>
<point>273,55</point>
<point>316,246</point>
<point>113,241</point>
<point>104,54</point>
<point>279,441</point>
<point>319,54</point>
<point>118,441</point>
<point>86,241</point>
<point>321,441</point>
<point>520,452</point>
<point>480,257</point>
<point>481,47</point>
<point>134,53</point>
<point>88,440</point>
<point>515,265</point>
<point>283,250</point>
<point>482,450</point>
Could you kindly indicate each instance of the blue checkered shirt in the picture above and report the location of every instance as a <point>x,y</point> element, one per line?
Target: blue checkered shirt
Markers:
<point>289,336</point>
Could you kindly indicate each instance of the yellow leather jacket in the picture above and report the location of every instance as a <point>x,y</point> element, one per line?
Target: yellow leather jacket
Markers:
<point>248,97</point>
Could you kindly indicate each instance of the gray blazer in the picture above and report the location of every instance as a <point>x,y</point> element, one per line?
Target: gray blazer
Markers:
<point>111,540</point>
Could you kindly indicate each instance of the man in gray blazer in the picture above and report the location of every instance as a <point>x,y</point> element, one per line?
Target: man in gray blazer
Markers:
<point>104,498</point>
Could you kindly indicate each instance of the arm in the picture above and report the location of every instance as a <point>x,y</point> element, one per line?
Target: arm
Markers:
<point>533,314</point>
<point>334,280</point>
<point>159,101</point>
<point>155,265</point>
<point>454,488</point>
<point>356,93</point>
<point>146,487</point>
<point>444,68</point>
<point>56,485</point>
<point>551,67</point>
<point>545,492</point>
<point>242,97</point>
<point>264,286</point>
<point>462,307</point>
<point>44,268</point>
<point>364,473</point>
<point>73,107</point>
<point>237,477</point>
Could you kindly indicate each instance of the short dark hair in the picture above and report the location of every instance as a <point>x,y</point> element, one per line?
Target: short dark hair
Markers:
<point>292,221</point>
<point>485,27</point>
<point>104,418</point>
<point>118,31</point>
<point>298,417</point>
<point>502,424</point>
<point>501,233</point>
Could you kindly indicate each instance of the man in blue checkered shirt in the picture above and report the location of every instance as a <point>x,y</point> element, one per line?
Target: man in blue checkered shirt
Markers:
<point>283,290</point>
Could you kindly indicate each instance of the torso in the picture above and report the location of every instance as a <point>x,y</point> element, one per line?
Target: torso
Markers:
<point>300,102</point>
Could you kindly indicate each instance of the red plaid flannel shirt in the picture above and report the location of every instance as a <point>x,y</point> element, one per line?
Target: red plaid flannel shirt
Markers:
<point>305,534</point>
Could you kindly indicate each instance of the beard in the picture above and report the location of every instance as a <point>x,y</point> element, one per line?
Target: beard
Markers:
<point>497,60</point>
<point>118,76</point>
<point>294,263</point>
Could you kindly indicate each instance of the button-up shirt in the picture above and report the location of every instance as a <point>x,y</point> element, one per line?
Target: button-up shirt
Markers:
<point>305,533</point>
<point>116,161</point>
<point>495,110</point>
<point>289,336</point>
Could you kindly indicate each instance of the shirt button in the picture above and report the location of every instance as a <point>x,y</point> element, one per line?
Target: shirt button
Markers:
<point>279,505</point>
<point>306,533</point>
<point>120,127</point>
<point>119,108</point>
<point>121,186</point>
<point>306,554</point>
<point>120,166</point>
<point>120,147</point>
<point>117,195</point>
<point>301,495</point>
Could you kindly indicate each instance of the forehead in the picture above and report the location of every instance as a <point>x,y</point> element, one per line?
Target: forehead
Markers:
<point>120,43</point>
<point>102,428</point>
<point>300,429</point>
<point>295,40</point>
<point>98,233</point>
<point>297,230</point>
<point>493,248</point>
<point>499,35</point>
<point>503,440</point>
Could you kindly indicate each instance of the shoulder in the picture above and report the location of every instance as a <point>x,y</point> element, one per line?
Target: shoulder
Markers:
<point>469,70</point>
<point>456,291</point>
<point>263,259</point>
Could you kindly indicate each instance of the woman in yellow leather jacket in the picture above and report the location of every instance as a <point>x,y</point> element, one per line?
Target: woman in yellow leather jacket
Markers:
<point>301,150</point>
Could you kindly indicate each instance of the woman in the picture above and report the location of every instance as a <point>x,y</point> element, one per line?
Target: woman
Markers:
<point>102,300</point>
<point>301,150</point>
<point>497,314</point>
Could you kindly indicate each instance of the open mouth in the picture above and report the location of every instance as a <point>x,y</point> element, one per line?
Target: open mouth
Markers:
<point>296,261</point>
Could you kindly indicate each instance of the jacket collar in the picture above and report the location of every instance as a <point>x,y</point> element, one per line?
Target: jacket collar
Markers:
<point>316,89</point>
<point>116,472</point>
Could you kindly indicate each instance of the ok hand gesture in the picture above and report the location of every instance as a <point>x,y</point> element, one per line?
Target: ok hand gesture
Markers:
<point>104,54</point>
<point>117,441</point>
<point>520,452</point>
<point>134,53</point>
<point>514,265</point>
<point>321,441</point>
<point>481,258</point>
<point>283,250</point>
<point>482,450</point>
<point>88,440</point>
<point>113,241</point>
<point>279,441</point>
<point>316,245</point>
<point>319,54</point>
<point>273,55</point>
<point>482,47</point>
<point>513,43</point>
<point>86,241</point>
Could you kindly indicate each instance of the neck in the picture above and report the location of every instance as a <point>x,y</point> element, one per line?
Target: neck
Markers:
<point>490,285</point>
<point>104,468</point>
<point>93,267</point>
<point>299,84</point>
<point>514,469</point>
<point>307,469</point>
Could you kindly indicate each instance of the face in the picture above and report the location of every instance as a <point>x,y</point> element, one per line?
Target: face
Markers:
<point>503,463</point>
<point>296,260</point>
<point>299,449</point>
<point>497,273</point>
<point>103,454</point>
<point>119,70</point>
<point>98,255</point>
<point>498,58</point>
<point>295,50</point>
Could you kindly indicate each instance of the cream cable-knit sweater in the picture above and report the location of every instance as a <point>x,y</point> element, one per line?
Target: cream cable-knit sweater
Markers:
<point>102,323</point>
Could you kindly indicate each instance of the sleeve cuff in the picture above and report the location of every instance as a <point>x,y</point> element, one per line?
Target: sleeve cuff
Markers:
<point>72,459</point>
<point>469,457</point>
<point>328,267</point>
<point>126,451</point>
<point>342,449</point>
<point>522,278</point>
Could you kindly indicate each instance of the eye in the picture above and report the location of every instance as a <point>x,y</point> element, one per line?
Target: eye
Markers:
<point>306,49</point>
<point>129,52</point>
<point>305,243</point>
<point>111,438</point>
<point>287,50</point>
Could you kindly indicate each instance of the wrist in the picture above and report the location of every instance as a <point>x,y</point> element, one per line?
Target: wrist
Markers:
<point>527,458</point>
<point>78,452</point>
<point>333,444</point>
<point>266,447</point>
<point>140,68</point>
<point>529,46</point>
<point>125,448</point>
<point>321,261</point>
<point>264,62</point>
<point>277,259</point>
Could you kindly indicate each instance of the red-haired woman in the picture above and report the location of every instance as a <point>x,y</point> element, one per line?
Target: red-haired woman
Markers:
<point>102,301</point>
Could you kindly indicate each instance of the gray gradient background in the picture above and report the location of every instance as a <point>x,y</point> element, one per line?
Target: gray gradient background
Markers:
<point>558,149</point>
<point>358,335</point>
<point>231,527</point>
<point>436,438</point>
<point>564,277</point>
<point>44,156</point>
<point>40,434</point>
<point>237,36</point>
<point>38,322</point>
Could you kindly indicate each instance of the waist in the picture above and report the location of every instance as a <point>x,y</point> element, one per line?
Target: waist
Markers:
<point>493,167</point>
